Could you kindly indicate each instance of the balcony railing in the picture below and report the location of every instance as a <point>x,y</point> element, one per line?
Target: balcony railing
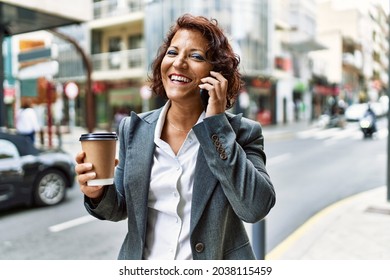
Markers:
<point>122,60</point>
<point>112,8</point>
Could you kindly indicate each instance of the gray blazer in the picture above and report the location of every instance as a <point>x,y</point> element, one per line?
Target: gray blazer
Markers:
<point>231,185</point>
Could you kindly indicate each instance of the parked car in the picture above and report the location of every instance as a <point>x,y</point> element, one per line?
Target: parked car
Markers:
<point>29,176</point>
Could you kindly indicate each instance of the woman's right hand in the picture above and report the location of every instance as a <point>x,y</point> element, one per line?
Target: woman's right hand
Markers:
<point>84,174</point>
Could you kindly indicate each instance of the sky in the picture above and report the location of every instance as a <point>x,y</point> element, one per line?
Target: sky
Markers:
<point>363,3</point>
<point>384,3</point>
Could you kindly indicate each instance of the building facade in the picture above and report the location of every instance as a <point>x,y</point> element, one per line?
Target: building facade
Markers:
<point>296,56</point>
<point>126,35</point>
<point>353,67</point>
<point>295,29</point>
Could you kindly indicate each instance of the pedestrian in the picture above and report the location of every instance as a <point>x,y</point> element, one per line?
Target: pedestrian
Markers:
<point>27,120</point>
<point>188,176</point>
<point>118,116</point>
<point>371,115</point>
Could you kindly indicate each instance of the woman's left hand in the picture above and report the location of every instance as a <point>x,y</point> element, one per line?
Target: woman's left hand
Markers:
<point>216,85</point>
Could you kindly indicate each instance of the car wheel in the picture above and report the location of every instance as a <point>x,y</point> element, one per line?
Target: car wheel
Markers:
<point>50,188</point>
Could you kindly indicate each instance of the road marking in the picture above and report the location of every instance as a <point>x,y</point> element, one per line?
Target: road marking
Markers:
<point>383,133</point>
<point>342,134</point>
<point>308,133</point>
<point>72,223</point>
<point>279,159</point>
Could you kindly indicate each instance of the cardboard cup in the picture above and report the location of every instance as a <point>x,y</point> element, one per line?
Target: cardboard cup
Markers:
<point>100,150</point>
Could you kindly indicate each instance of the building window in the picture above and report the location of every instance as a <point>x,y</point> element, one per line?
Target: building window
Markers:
<point>135,42</point>
<point>114,48</point>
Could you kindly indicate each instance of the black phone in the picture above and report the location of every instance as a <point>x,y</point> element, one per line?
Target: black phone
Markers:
<point>204,95</point>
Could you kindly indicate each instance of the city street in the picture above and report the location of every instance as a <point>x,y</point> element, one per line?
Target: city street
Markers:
<point>63,232</point>
<point>311,169</point>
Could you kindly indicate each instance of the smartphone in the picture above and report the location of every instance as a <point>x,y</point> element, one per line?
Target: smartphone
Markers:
<point>204,95</point>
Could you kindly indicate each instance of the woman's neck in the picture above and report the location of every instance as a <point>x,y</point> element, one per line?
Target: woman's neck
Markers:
<point>183,118</point>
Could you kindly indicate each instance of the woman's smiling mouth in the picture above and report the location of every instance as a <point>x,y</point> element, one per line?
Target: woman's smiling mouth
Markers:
<point>181,79</point>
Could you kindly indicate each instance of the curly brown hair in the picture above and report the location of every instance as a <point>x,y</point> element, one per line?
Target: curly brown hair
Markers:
<point>219,53</point>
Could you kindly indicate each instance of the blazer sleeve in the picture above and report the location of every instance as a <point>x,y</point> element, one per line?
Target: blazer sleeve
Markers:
<point>113,204</point>
<point>237,160</point>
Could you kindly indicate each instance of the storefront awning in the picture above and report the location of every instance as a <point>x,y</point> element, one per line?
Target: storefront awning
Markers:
<point>17,20</point>
<point>125,97</point>
<point>305,46</point>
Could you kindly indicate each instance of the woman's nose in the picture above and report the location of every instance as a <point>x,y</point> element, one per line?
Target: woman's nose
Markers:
<point>180,62</point>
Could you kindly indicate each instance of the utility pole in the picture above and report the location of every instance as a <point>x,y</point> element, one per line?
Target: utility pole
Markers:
<point>388,114</point>
<point>90,105</point>
<point>2,105</point>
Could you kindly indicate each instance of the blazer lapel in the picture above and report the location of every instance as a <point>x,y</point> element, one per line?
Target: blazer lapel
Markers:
<point>139,159</point>
<point>204,185</point>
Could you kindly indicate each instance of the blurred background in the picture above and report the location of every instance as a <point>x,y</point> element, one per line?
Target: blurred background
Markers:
<point>311,67</point>
<point>301,59</point>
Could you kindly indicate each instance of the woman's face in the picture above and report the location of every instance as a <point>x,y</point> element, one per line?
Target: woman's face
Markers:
<point>184,65</point>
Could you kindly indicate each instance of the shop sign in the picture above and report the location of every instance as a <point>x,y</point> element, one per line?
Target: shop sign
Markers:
<point>326,90</point>
<point>283,63</point>
<point>71,90</point>
<point>9,95</point>
<point>9,92</point>
<point>145,92</point>
<point>261,83</point>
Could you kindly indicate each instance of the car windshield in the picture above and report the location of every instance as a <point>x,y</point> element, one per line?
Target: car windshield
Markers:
<point>22,144</point>
<point>8,150</point>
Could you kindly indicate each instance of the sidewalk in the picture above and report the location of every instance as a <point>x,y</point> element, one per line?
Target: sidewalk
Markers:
<point>70,141</point>
<point>355,228</point>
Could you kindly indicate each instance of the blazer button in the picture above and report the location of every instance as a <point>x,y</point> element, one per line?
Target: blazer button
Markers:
<point>215,137</point>
<point>199,247</point>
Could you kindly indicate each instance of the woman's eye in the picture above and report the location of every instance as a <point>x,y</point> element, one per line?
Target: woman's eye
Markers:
<point>171,52</point>
<point>198,57</point>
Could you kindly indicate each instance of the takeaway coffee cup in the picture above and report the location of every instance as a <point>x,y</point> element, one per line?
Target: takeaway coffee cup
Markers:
<point>100,150</point>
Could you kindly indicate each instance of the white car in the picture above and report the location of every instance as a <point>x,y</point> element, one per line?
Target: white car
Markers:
<point>355,112</point>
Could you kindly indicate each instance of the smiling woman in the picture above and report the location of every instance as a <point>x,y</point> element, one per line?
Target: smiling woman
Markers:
<point>218,52</point>
<point>196,170</point>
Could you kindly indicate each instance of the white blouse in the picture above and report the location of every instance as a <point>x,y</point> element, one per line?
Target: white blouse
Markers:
<point>170,197</point>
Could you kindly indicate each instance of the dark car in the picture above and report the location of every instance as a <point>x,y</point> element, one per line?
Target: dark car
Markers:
<point>29,176</point>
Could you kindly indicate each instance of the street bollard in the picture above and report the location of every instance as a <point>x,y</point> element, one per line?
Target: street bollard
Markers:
<point>258,237</point>
<point>59,135</point>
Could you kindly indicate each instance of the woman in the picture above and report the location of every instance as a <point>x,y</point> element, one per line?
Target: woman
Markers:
<point>187,177</point>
